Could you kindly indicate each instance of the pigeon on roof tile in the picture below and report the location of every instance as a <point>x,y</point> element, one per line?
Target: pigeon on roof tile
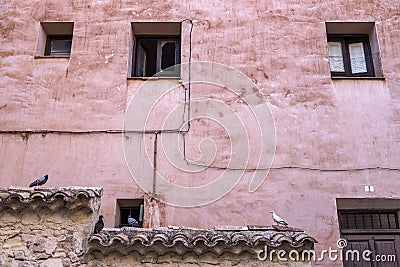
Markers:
<point>40,181</point>
<point>99,225</point>
<point>278,219</point>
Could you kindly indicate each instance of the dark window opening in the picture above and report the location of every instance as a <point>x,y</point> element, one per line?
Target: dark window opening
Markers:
<point>168,55</point>
<point>58,45</point>
<point>157,55</point>
<point>146,57</point>
<point>134,212</point>
<point>54,39</point>
<point>130,207</point>
<point>350,56</point>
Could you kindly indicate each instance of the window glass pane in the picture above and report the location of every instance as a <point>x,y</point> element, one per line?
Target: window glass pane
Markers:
<point>168,55</point>
<point>141,61</point>
<point>336,56</point>
<point>357,58</point>
<point>60,47</point>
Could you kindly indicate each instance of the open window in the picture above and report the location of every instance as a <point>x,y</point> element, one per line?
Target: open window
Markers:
<point>353,49</point>
<point>55,39</point>
<point>156,49</point>
<point>133,208</point>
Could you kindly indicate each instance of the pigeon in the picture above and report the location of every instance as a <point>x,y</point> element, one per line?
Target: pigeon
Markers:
<point>132,221</point>
<point>40,181</point>
<point>278,219</point>
<point>99,225</point>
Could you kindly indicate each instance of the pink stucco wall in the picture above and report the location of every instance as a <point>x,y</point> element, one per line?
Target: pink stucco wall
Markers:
<point>281,45</point>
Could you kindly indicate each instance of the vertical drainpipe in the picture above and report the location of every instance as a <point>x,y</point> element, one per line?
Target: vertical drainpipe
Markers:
<point>155,164</point>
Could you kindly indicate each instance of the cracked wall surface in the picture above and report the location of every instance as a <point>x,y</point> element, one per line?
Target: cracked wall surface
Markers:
<point>322,124</point>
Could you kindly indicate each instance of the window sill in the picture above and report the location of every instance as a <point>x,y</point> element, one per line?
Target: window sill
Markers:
<point>356,78</point>
<point>154,78</point>
<point>51,56</point>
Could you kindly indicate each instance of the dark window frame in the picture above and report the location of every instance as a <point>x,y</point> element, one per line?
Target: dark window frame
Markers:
<point>346,229</point>
<point>50,38</point>
<point>159,38</point>
<point>345,40</point>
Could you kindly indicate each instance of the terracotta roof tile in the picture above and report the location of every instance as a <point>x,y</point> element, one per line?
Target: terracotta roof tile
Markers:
<point>25,194</point>
<point>198,240</point>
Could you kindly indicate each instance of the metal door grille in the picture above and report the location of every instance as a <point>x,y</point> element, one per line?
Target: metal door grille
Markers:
<point>368,220</point>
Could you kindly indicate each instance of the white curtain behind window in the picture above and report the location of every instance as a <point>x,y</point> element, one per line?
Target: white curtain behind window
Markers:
<point>357,58</point>
<point>336,56</point>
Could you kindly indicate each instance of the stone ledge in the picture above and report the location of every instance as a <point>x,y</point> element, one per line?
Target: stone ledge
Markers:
<point>46,226</point>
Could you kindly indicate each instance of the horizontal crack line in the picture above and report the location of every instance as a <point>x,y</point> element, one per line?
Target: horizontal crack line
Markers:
<point>44,132</point>
<point>92,132</point>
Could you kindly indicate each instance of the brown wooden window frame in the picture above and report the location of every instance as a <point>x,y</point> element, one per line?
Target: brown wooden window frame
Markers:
<point>345,41</point>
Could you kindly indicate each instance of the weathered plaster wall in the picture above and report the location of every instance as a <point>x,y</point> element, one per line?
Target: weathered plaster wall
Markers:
<point>281,45</point>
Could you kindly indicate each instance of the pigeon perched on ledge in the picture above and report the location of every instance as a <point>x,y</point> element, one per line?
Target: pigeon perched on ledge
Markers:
<point>133,222</point>
<point>278,219</point>
<point>99,225</point>
<point>40,181</point>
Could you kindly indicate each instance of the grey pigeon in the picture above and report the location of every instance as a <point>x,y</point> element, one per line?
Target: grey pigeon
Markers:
<point>40,181</point>
<point>132,221</point>
<point>278,219</point>
<point>99,225</point>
